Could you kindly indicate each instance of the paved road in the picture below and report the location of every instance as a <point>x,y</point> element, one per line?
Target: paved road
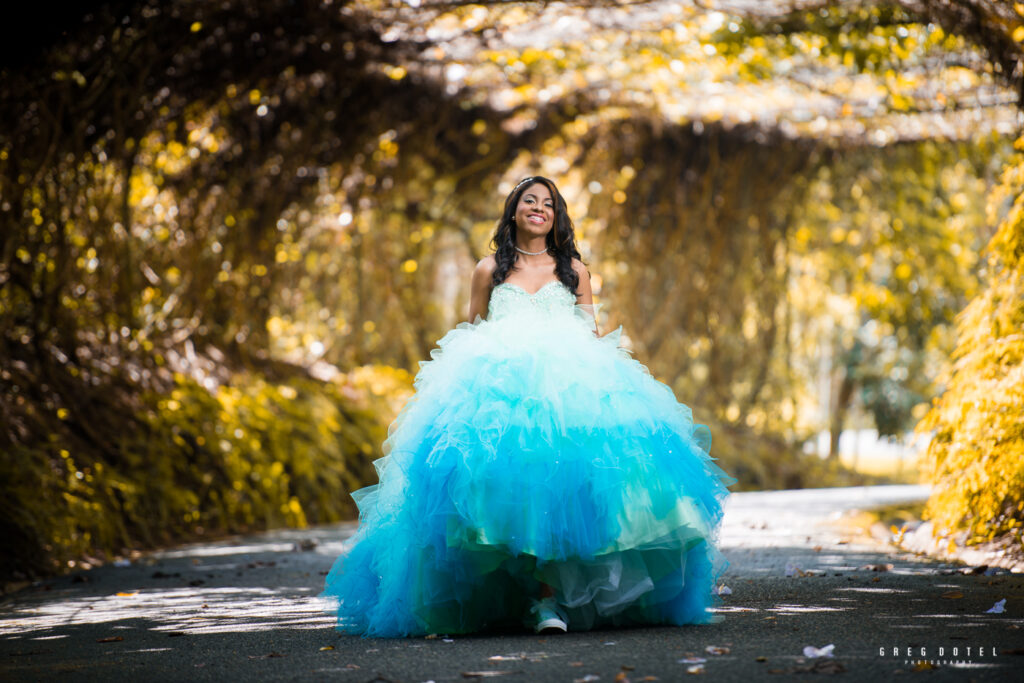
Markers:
<point>246,609</point>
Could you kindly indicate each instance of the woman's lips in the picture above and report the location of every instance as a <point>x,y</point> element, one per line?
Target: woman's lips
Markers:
<point>536,219</point>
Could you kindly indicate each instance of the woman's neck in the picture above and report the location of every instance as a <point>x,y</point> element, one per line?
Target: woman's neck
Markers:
<point>535,245</point>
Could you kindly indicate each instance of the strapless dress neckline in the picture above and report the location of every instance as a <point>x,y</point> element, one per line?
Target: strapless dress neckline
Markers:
<point>524,291</point>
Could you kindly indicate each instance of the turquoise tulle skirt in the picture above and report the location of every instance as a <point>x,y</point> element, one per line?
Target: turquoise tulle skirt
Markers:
<point>534,453</point>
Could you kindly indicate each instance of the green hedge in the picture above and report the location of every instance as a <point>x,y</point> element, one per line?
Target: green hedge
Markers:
<point>189,462</point>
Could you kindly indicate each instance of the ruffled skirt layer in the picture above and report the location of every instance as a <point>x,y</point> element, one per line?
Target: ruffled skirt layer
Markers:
<point>533,452</point>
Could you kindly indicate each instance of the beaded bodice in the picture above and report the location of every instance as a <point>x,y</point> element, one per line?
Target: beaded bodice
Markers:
<point>508,298</point>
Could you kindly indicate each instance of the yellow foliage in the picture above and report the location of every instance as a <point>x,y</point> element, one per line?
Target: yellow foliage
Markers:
<point>976,455</point>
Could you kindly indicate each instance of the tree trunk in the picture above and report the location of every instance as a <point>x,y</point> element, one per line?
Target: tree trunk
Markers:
<point>840,405</point>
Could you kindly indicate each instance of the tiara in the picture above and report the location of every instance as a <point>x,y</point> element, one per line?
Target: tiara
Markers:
<point>524,180</point>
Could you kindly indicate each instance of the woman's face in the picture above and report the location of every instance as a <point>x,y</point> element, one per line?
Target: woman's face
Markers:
<point>535,213</point>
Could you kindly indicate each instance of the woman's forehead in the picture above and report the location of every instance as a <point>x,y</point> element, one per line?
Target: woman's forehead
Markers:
<point>537,190</point>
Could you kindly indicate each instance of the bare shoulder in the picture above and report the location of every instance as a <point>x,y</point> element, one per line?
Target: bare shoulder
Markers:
<point>483,271</point>
<point>580,268</point>
<point>486,266</point>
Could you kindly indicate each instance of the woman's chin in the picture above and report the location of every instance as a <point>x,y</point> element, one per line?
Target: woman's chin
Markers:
<point>535,231</point>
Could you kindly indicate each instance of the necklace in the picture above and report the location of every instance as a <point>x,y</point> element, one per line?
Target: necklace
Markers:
<point>530,253</point>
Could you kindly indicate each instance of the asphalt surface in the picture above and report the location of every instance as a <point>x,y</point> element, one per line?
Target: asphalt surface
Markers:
<point>247,609</point>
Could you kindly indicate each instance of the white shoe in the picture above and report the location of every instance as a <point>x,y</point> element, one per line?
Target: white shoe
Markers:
<point>550,617</point>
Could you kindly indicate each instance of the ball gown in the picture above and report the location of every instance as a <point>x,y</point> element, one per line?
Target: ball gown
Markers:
<point>534,452</point>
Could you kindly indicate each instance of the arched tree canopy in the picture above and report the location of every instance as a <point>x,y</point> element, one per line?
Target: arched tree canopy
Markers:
<point>219,219</point>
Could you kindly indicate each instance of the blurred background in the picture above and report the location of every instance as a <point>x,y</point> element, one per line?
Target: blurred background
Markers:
<point>231,231</point>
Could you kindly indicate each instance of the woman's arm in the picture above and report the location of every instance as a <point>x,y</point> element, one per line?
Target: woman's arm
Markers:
<point>586,294</point>
<point>480,288</point>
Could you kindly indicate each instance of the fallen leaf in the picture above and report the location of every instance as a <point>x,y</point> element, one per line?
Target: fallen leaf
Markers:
<point>126,594</point>
<point>325,648</point>
<point>760,658</point>
<point>952,595</point>
<point>793,570</point>
<point>487,674</point>
<point>876,579</point>
<point>110,639</point>
<point>997,608</point>
<point>922,666</point>
<point>575,663</point>
<point>692,660</point>
<point>432,636</point>
<point>878,567</point>
<point>627,667</point>
<point>811,651</point>
<point>650,678</point>
<point>716,650</point>
<point>695,669</point>
<point>621,677</point>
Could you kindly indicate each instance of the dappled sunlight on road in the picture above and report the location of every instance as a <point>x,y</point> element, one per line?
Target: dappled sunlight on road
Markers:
<point>181,610</point>
<point>249,607</point>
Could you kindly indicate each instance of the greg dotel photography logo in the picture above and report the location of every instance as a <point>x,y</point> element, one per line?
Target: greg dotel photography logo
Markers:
<point>928,656</point>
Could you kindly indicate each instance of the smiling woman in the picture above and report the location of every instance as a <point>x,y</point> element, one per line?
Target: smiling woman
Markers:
<point>534,234</point>
<point>539,475</point>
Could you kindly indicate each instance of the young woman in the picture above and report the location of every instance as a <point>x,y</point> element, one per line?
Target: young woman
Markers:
<point>539,474</point>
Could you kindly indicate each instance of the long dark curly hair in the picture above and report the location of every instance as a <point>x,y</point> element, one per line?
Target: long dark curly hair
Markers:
<point>560,241</point>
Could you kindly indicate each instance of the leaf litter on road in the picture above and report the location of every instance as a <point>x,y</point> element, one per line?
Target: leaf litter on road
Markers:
<point>886,567</point>
<point>488,674</point>
<point>793,570</point>
<point>997,608</point>
<point>520,657</point>
<point>811,651</point>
